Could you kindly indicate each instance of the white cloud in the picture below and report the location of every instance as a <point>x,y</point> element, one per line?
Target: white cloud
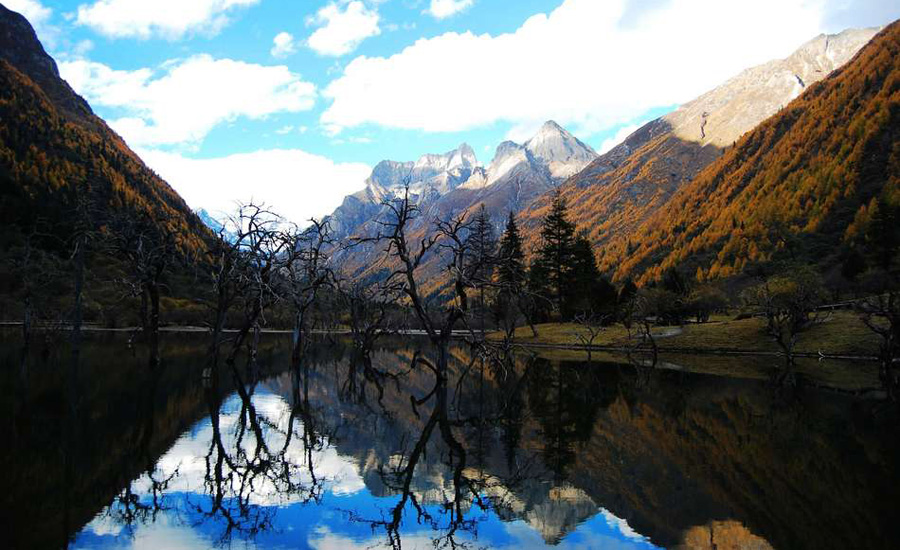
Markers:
<point>170,19</point>
<point>577,65</point>
<point>82,48</point>
<point>524,130</point>
<point>342,30</point>
<point>618,138</point>
<point>190,97</point>
<point>35,12</point>
<point>284,130</point>
<point>296,184</point>
<point>441,9</point>
<point>283,45</point>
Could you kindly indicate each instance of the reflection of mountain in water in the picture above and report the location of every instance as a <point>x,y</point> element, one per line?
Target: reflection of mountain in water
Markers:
<point>683,459</point>
<point>681,455</point>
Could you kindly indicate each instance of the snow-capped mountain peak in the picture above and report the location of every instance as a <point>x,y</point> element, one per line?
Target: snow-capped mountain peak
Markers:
<point>552,153</point>
<point>460,158</point>
<point>508,156</point>
<point>559,150</point>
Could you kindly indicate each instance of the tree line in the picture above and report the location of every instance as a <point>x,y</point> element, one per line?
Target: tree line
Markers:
<point>261,272</point>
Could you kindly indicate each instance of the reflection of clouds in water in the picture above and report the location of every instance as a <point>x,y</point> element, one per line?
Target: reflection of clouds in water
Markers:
<point>621,525</point>
<point>597,532</point>
<point>338,474</point>
<point>165,532</point>
<point>185,463</point>
<point>604,533</point>
<point>186,460</point>
<point>324,539</point>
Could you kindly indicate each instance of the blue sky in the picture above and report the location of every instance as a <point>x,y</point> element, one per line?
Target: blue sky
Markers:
<point>293,101</point>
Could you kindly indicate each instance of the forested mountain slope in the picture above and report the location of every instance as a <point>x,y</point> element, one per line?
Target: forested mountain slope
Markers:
<point>805,183</point>
<point>634,181</point>
<point>69,183</point>
<point>55,152</point>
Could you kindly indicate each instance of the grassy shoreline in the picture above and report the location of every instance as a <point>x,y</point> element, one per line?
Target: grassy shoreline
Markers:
<point>842,335</point>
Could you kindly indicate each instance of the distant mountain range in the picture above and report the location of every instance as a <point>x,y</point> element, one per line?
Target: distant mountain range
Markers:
<point>549,157</point>
<point>784,147</point>
<point>455,182</point>
<point>613,196</point>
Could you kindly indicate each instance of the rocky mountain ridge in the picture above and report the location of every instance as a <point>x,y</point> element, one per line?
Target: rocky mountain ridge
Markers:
<point>722,115</point>
<point>635,180</point>
<point>455,181</point>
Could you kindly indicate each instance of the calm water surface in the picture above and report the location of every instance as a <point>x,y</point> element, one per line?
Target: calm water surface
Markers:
<point>345,452</point>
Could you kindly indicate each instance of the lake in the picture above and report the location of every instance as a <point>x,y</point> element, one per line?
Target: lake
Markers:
<point>506,451</point>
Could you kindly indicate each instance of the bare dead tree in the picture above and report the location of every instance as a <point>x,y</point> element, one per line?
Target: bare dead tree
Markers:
<point>149,249</point>
<point>590,327</point>
<point>367,310</point>
<point>448,236</point>
<point>226,261</point>
<point>789,305</point>
<point>82,235</point>
<point>881,314</point>
<point>35,268</point>
<point>306,273</point>
<point>244,265</point>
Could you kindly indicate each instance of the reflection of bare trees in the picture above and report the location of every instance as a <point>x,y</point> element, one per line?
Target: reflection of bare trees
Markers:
<point>399,477</point>
<point>454,417</point>
<point>130,508</point>
<point>258,459</point>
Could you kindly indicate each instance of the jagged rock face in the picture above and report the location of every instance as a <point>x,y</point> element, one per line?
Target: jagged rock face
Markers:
<point>721,116</point>
<point>549,157</point>
<point>510,159</point>
<point>560,151</point>
<point>455,182</point>
<point>428,178</point>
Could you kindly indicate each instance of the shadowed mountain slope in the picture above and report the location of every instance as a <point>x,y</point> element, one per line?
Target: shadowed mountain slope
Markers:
<point>54,151</point>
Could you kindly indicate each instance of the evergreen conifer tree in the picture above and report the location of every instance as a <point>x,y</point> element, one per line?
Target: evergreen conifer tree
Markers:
<point>589,292</point>
<point>511,260</point>
<point>481,257</point>
<point>555,256</point>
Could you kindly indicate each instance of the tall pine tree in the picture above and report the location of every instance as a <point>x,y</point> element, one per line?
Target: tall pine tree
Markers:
<point>481,257</point>
<point>511,260</point>
<point>589,292</point>
<point>556,255</point>
<point>511,278</point>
